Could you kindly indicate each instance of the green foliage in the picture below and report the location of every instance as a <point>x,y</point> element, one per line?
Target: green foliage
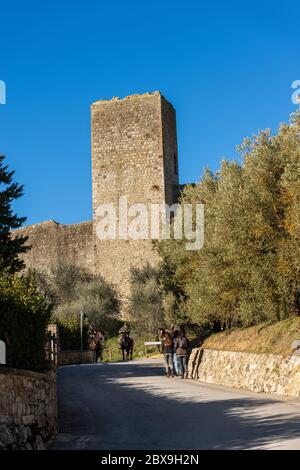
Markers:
<point>112,353</point>
<point>145,306</point>
<point>10,247</point>
<point>72,289</point>
<point>69,329</point>
<point>248,270</point>
<point>24,317</point>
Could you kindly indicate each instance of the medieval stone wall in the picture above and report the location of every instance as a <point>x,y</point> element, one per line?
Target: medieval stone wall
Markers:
<point>52,243</point>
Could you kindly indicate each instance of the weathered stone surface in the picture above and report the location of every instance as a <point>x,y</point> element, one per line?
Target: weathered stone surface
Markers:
<point>134,154</point>
<point>268,373</point>
<point>74,357</point>
<point>28,409</point>
<point>53,243</point>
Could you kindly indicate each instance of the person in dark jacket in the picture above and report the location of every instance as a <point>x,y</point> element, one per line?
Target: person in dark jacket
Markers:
<point>168,347</point>
<point>177,368</point>
<point>181,348</point>
<point>125,329</point>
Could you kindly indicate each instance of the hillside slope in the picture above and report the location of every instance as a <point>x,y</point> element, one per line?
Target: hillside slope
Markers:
<point>274,339</point>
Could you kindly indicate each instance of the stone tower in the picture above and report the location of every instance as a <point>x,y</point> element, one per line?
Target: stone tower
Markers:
<point>134,154</point>
<point>134,150</point>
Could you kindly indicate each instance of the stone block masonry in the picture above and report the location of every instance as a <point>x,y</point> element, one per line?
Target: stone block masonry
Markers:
<point>53,243</point>
<point>134,150</point>
<point>28,409</point>
<point>268,373</point>
<point>134,154</point>
<point>74,357</point>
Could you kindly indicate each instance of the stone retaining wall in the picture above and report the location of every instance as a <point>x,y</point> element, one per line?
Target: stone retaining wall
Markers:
<point>28,408</point>
<point>74,357</point>
<point>268,373</point>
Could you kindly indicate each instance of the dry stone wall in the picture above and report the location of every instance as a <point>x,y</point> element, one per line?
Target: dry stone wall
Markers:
<point>268,373</point>
<point>74,357</point>
<point>28,409</point>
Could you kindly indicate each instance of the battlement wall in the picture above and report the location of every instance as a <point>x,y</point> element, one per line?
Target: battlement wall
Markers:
<point>53,243</point>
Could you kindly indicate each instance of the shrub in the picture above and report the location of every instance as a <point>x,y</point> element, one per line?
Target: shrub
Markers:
<point>68,320</point>
<point>69,331</point>
<point>145,306</point>
<point>72,289</point>
<point>24,316</point>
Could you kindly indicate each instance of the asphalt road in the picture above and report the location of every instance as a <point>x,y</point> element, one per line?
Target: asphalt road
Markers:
<point>132,405</point>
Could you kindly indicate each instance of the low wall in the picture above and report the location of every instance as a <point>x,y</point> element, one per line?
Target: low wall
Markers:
<point>74,357</point>
<point>268,373</point>
<point>28,409</point>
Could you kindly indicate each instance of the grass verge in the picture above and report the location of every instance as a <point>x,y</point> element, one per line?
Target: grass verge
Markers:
<point>138,352</point>
<point>273,339</point>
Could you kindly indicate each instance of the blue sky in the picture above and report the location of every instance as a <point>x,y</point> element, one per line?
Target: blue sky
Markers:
<point>227,67</point>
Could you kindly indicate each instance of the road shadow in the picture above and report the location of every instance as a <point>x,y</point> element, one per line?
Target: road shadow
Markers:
<point>133,406</point>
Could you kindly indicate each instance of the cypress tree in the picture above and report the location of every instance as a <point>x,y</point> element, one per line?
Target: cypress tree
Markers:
<point>11,246</point>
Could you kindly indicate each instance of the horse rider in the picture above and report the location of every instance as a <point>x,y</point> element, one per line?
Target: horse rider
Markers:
<point>96,340</point>
<point>124,331</point>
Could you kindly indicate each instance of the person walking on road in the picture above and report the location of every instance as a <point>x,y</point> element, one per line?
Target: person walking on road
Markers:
<point>181,348</point>
<point>177,368</point>
<point>168,347</point>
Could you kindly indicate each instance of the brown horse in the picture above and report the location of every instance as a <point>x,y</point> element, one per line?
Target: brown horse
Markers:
<point>96,341</point>
<point>126,345</point>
